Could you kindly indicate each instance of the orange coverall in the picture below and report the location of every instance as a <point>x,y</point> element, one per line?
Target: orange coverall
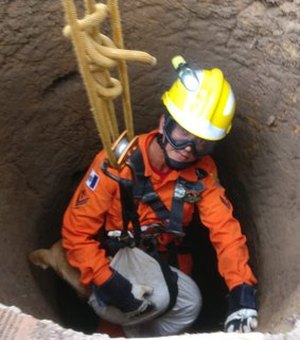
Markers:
<point>97,202</point>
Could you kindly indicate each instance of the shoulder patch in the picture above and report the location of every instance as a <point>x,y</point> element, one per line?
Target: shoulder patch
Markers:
<point>82,198</point>
<point>93,180</point>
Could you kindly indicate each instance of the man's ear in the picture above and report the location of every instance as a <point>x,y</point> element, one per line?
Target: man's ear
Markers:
<point>161,123</point>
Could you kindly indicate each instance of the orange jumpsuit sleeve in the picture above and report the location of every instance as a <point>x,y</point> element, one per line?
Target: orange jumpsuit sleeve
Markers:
<point>82,220</point>
<point>216,214</point>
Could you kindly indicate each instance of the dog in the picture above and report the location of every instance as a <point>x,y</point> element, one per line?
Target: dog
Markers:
<point>55,258</point>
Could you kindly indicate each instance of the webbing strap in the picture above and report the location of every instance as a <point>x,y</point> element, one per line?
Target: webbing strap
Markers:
<point>176,215</point>
<point>171,279</point>
<point>129,211</point>
<point>150,197</point>
<point>143,190</point>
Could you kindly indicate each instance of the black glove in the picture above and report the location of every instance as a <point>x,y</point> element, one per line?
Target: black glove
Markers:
<point>117,291</point>
<point>242,309</point>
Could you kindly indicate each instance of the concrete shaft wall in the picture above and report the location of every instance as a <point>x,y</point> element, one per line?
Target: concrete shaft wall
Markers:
<point>48,136</point>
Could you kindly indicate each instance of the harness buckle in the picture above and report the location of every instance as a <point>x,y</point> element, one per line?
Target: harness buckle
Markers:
<point>125,238</point>
<point>149,197</point>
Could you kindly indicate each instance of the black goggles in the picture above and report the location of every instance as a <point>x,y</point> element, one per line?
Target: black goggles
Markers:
<point>179,139</point>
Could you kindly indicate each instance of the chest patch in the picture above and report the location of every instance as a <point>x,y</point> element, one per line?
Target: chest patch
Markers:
<point>189,191</point>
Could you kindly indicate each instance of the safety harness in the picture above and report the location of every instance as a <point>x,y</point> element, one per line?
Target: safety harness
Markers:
<point>141,189</point>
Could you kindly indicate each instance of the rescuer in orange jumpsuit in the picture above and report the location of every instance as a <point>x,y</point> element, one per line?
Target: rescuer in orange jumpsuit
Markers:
<point>181,175</point>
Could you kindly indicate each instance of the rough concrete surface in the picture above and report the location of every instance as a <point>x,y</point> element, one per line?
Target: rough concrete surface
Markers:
<point>48,136</point>
<point>15,325</point>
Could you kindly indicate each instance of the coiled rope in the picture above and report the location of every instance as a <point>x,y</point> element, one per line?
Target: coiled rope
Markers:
<point>96,55</point>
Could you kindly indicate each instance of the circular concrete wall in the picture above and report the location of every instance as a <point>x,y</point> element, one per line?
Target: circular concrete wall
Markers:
<point>48,136</point>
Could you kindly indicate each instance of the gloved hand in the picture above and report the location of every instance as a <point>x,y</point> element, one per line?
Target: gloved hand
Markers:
<point>119,292</point>
<point>242,310</point>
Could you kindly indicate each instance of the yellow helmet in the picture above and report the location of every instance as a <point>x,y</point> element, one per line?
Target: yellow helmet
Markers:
<point>204,107</point>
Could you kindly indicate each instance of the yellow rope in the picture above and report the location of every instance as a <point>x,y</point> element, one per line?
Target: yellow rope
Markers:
<point>96,55</point>
<point>96,104</point>
<point>122,67</point>
<point>91,6</point>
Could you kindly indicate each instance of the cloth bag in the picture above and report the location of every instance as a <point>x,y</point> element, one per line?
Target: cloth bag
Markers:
<point>146,276</point>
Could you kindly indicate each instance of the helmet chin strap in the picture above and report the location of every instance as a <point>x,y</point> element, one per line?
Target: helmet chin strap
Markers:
<point>171,163</point>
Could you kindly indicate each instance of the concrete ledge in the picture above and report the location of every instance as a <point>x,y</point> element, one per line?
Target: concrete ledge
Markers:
<point>15,325</point>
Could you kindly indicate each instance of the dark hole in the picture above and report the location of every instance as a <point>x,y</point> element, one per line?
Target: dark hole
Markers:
<point>211,284</point>
<point>74,312</point>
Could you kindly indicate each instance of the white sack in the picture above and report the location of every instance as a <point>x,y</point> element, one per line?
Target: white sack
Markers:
<point>145,275</point>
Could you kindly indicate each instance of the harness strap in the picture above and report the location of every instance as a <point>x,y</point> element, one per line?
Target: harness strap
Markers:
<point>176,215</point>
<point>171,279</point>
<point>129,211</point>
<point>149,245</point>
<point>151,198</point>
<point>143,191</point>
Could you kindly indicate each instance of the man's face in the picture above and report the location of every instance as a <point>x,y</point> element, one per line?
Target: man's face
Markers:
<point>181,145</point>
<point>180,155</point>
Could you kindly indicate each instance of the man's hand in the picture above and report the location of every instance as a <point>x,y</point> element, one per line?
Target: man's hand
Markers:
<point>120,293</point>
<point>242,321</point>
<point>242,310</point>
